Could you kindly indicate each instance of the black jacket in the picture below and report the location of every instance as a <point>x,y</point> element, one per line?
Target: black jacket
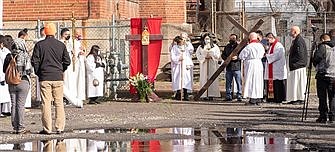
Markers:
<point>320,58</point>
<point>298,54</point>
<point>50,59</point>
<point>234,65</point>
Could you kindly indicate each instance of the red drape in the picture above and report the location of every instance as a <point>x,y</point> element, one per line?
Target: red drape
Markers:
<point>154,48</point>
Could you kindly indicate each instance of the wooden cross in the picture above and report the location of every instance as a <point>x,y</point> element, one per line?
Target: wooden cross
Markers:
<point>138,37</point>
<point>234,53</point>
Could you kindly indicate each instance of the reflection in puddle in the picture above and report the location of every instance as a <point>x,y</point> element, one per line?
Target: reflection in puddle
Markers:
<point>201,139</point>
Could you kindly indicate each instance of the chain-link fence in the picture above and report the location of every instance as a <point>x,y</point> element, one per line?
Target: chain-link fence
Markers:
<point>108,35</point>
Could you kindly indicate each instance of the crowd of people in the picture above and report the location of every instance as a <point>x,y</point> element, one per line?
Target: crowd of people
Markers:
<point>60,66</point>
<point>270,73</point>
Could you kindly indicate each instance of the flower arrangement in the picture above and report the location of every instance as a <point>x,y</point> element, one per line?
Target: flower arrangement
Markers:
<point>142,85</point>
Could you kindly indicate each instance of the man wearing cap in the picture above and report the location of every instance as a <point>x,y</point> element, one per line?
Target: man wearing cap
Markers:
<point>50,59</point>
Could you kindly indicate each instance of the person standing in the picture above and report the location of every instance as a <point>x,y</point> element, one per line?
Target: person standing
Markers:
<point>79,62</point>
<point>253,69</point>
<point>321,59</point>
<point>95,75</point>
<point>208,55</point>
<point>233,69</point>
<point>19,92</point>
<point>275,71</point>
<point>5,97</point>
<point>71,75</point>
<point>181,63</point>
<point>50,59</point>
<point>296,77</point>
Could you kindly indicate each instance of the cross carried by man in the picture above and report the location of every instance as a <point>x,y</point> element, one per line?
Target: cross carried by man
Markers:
<point>243,43</point>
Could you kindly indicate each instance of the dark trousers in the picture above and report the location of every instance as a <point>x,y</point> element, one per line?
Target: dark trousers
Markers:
<point>325,92</point>
<point>279,91</point>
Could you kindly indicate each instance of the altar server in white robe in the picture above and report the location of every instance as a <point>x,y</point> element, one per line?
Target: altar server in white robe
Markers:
<point>275,70</point>
<point>296,78</point>
<point>190,48</point>
<point>5,105</point>
<point>253,69</point>
<point>95,75</point>
<point>208,55</point>
<point>71,75</point>
<point>181,64</point>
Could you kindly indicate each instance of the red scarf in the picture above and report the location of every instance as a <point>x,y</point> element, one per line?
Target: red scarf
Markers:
<point>270,75</point>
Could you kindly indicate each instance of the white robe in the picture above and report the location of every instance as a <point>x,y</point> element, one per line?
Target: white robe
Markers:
<point>4,97</point>
<point>94,73</point>
<point>74,80</point>
<point>212,65</point>
<point>296,85</point>
<point>176,65</point>
<point>253,70</point>
<point>277,58</point>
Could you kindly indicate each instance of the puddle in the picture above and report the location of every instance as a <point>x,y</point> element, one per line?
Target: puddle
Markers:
<point>201,139</point>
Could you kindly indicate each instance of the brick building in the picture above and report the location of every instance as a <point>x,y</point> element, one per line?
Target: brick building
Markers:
<point>25,13</point>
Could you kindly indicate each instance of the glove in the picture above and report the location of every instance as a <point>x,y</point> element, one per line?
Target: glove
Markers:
<point>2,83</point>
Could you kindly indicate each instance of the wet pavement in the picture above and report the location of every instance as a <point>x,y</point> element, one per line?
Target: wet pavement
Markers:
<point>194,139</point>
<point>265,124</point>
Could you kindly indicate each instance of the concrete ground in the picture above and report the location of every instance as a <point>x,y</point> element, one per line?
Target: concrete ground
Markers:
<point>277,118</point>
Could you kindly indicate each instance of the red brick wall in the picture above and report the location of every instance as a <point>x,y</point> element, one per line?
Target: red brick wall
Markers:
<point>172,11</point>
<point>29,10</point>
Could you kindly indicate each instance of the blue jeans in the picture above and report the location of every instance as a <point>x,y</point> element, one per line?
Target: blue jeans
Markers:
<point>229,79</point>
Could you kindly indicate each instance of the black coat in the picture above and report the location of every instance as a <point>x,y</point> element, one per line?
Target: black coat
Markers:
<point>50,59</point>
<point>298,54</point>
<point>234,65</point>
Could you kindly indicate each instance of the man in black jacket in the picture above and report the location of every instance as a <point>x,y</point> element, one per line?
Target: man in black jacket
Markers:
<point>233,69</point>
<point>296,77</point>
<point>321,60</point>
<point>50,59</point>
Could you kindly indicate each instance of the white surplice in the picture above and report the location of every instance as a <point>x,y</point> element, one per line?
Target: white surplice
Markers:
<point>253,70</point>
<point>74,79</point>
<point>208,68</point>
<point>277,58</point>
<point>5,97</point>
<point>94,72</point>
<point>177,65</point>
<point>296,85</point>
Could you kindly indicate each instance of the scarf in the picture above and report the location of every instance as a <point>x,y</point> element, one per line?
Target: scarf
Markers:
<point>270,75</point>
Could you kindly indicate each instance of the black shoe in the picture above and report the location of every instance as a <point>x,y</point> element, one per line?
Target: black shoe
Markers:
<point>24,131</point>
<point>92,102</point>
<point>44,132</point>
<point>229,99</point>
<point>178,95</point>
<point>59,132</point>
<point>239,99</point>
<point>97,102</point>
<point>6,114</point>
<point>298,102</point>
<point>321,120</point>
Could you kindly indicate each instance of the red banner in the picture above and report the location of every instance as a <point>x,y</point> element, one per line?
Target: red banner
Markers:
<point>154,48</point>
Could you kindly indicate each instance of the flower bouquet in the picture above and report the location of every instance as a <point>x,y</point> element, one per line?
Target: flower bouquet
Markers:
<point>142,85</point>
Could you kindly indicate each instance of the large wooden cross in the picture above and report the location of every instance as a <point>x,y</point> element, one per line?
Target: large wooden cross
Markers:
<point>138,37</point>
<point>243,43</point>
